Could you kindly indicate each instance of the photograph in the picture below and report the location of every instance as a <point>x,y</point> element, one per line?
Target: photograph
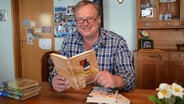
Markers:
<point>3,15</point>
<point>64,21</point>
<point>147,44</point>
<point>69,10</point>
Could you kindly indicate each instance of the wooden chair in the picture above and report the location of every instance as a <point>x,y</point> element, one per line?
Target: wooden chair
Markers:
<point>47,65</point>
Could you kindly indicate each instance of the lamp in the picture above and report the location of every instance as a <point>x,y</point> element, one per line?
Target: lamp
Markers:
<point>120,1</point>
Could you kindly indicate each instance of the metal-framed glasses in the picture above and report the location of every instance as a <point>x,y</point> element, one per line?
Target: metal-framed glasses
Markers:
<point>89,20</point>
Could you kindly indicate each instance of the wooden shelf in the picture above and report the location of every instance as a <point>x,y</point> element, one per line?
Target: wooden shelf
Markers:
<point>163,63</point>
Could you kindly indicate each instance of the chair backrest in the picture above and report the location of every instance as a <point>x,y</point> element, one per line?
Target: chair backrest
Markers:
<point>47,65</point>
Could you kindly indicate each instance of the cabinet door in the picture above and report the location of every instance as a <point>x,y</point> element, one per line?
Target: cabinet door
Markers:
<point>152,69</point>
<point>177,72</point>
<point>177,68</point>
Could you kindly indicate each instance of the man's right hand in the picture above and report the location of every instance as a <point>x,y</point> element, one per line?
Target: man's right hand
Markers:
<point>60,84</point>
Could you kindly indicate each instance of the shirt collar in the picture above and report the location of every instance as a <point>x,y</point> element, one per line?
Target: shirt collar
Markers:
<point>100,41</point>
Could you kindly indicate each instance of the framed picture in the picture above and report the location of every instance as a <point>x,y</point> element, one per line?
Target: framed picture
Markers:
<point>146,44</point>
<point>3,15</point>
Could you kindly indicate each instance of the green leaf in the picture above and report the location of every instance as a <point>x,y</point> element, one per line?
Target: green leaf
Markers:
<point>179,100</point>
<point>155,100</point>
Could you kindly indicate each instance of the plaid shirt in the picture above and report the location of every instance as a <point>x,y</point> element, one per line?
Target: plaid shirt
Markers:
<point>112,54</point>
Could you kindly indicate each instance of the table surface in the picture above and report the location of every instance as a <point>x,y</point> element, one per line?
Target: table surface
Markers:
<point>48,96</point>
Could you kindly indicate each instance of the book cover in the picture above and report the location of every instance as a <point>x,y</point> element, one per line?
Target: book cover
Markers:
<point>17,97</point>
<point>79,70</point>
<point>24,92</point>
<point>21,83</point>
<point>102,95</point>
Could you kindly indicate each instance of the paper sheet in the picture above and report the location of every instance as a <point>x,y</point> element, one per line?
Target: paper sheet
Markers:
<point>45,43</point>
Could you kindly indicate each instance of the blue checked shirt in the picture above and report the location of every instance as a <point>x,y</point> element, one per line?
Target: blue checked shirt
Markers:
<point>112,54</point>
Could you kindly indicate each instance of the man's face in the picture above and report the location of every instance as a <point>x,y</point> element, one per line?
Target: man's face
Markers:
<point>88,21</point>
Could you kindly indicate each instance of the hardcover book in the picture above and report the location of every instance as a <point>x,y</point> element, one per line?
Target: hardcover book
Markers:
<point>103,95</point>
<point>79,70</point>
<point>17,97</point>
<point>21,83</point>
<point>122,100</point>
<point>24,92</point>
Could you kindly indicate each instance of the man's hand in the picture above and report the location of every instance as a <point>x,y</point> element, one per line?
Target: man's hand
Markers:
<point>60,84</point>
<point>106,79</point>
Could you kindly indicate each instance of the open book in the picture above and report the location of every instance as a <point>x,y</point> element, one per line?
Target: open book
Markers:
<point>79,70</point>
<point>103,95</point>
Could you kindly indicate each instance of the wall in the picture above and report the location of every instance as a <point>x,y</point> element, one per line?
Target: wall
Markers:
<point>120,18</point>
<point>6,44</point>
<point>58,3</point>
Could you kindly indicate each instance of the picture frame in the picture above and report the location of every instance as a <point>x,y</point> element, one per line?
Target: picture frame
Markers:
<point>147,44</point>
<point>3,15</point>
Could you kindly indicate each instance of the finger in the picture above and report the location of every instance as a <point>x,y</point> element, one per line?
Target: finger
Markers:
<point>59,77</point>
<point>99,74</point>
<point>102,80</point>
<point>63,85</point>
<point>104,83</point>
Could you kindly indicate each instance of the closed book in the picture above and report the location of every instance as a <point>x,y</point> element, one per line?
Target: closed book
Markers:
<point>102,95</point>
<point>21,98</point>
<point>18,97</point>
<point>24,92</point>
<point>21,83</point>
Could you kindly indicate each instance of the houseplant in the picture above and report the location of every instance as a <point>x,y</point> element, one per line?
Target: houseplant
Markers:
<point>168,94</point>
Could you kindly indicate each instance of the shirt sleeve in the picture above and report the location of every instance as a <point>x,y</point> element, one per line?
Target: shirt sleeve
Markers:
<point>52,74</point>
<point>124,66</point>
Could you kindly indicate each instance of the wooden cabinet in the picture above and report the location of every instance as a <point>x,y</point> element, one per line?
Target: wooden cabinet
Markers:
<point>152,70</point>
<point>163,62</point>
<point>164,13</point>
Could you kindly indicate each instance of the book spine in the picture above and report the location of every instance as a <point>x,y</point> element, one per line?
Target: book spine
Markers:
<point>11,91</point>
<point>22,87</point>
<point>3,93</point>
<point>6,94</point>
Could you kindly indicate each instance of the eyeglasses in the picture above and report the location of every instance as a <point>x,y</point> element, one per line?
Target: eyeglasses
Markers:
<point>89,20</point>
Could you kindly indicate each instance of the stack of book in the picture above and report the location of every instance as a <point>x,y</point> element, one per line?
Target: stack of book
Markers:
<point>20,89</point>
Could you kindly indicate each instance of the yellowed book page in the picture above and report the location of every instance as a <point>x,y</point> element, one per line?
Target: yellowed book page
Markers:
<point>85,67</point>
<point>63,68</point>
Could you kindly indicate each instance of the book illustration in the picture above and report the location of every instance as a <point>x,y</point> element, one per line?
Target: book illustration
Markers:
<point>102,95</point>
<point>21,83</point>
<point>89,71</point>
<point>79,70</point>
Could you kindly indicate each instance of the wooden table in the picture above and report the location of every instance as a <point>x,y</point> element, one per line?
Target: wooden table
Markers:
<point>48,96</point>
